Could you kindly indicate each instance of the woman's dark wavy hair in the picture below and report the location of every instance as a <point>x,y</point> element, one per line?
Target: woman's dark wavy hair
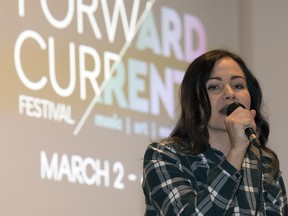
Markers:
<point>195,113</point>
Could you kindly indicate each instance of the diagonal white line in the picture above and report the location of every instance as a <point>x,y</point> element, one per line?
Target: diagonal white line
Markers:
<point>124,49</point>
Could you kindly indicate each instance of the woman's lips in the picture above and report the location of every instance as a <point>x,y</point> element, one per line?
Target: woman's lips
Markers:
<point>223,111</point>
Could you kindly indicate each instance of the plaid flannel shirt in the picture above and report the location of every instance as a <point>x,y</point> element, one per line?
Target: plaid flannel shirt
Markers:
<point>207,184</point>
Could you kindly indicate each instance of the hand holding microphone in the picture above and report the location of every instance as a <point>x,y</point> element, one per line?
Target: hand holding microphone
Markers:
<point>249,132</point>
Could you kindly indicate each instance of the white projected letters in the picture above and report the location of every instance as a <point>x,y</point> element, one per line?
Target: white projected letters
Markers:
<point>129,78</point>
<point>81,9</point>
<point>17,59</point>
<point>85,75</point>
<point>110,122</point>
<point>157,87</point>
<point>45,109</point>
<point>80,170</point>
<point>136,84</point>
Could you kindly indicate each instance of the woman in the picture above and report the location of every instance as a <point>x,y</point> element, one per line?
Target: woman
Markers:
<point>207,165</point>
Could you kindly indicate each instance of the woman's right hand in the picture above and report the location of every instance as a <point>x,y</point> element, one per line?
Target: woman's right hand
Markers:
<point>236,123</point>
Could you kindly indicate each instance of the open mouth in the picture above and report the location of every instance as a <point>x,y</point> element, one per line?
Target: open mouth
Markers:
<point>223,111</point>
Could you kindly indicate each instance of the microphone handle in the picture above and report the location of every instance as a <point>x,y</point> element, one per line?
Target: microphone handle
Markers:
<point>249,132</point>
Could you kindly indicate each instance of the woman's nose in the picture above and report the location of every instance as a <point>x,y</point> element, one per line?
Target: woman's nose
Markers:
<point>228,93</point>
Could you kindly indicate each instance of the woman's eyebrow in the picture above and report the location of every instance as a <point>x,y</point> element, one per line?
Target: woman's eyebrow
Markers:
<point>237,77</point>
<point>232,78</point>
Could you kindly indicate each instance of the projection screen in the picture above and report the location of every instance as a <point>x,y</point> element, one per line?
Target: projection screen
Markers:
<point>86,86</point>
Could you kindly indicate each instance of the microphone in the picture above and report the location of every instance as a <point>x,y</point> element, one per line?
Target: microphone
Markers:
<point>249,132</point>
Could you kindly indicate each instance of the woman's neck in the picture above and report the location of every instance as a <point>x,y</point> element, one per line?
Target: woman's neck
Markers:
<point>220,140</point>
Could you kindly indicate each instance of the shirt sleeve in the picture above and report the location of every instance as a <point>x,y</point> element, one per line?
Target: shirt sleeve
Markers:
<point>275,193</point>
<point>283,198</point>
<point>171,187</point>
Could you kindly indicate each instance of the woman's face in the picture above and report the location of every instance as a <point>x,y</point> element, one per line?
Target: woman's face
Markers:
<point>226,84</point>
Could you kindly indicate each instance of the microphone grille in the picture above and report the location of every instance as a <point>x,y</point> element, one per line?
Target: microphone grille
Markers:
<point>234,106</point>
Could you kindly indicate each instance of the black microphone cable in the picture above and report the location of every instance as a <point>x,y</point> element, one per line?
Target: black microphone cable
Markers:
<point>254,140</point>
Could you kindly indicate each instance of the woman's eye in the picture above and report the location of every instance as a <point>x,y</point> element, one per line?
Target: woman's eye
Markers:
<point>212,87</point>
<point>239,86</point>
